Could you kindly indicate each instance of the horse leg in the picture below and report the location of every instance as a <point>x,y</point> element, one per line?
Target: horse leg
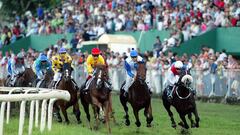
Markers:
<point>124,104</point>
<point>56,113</point>
<point>106,111</point>
<point>96,116</point>
<point>166,104</point>
<point>138,123</point>
<point>184,124</point>
<point>111,109</point>
<point>190,118</point>
<point>97,105</point>
<point>197,119</point>
<point>64,111</point>
<point>77,112</point>
<point>86,109</point>
<point>148,115</point>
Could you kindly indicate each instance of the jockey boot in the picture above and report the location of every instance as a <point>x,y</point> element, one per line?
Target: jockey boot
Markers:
<point>76,86</point>
<point>148,88</point>
<point>108,85</point>
<point>169,93</point>
<point>125,94</point>
<point>53,85</point>
<point>38,83</point>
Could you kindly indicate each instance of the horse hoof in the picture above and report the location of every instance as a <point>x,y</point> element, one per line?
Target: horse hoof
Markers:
<point>95,127</point>
<point>127,122</point>
<point>174,125</point>
<point>138,124</point>
<point>193,125</point>
<point>181,124</point>
<point>149,125</point>
<point>79,122</point>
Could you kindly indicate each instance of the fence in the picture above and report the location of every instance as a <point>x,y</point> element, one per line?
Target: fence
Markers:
<point>224,83</point>
<point>35,95</point>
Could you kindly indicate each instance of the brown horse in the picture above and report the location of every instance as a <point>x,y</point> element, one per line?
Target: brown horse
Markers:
<point>86,100</point>
<point>45,82</point>
<point>25,79</point>
<point>66,84</point>
<point>139,97</point>
<point>184,102</point>
<point>100,96</point>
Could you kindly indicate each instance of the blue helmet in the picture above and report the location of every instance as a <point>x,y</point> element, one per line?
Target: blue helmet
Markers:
<point>62,50</point>
<point>133,53</point>
<point>43,58</point>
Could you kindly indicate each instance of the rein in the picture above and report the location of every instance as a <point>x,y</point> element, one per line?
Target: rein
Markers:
<point>180,97</point>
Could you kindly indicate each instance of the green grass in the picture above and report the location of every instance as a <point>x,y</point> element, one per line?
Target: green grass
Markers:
<point>216,119</point>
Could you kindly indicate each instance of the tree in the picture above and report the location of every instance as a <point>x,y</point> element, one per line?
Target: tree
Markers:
<point>12,7</point>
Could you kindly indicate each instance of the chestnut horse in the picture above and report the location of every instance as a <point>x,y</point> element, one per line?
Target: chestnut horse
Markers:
<point>99,96</point>
<point>138,96</point>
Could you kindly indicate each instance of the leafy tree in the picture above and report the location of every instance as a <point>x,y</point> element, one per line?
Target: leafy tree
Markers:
<point>12,7</point>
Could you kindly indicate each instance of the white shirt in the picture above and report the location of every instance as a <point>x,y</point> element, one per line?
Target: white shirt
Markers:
<point>171,79</point>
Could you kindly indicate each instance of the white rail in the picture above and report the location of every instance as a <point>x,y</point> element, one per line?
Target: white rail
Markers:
<point>34,95</point>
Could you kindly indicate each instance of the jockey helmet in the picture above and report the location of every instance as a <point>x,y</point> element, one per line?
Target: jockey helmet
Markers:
<point>20,56</point>
<point>178,64</point>
<point>133,53</point>
<point>62,50</point>
<point>43,58</point>
<point>95,51</point>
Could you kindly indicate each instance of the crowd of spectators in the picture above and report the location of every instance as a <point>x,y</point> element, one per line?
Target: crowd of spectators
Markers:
<point>207,62</point>
<point>185,18</point>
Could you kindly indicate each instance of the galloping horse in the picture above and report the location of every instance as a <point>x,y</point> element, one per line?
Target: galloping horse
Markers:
<point>46,80</point>
<point>184,102</point>
<point>100,96</point>
<point>66,84</point>
<point>138,96</point>
<point>24,79</point>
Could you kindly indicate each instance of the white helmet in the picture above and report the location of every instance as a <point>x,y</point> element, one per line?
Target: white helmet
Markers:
<point>178,64</point>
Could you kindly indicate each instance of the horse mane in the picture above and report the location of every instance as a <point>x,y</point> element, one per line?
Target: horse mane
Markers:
<point>101,66</point>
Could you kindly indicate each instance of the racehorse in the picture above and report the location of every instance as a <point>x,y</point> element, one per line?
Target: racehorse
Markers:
<point>138,96</point>
<point>66,83</point>
<point>24,79</point>
<point>46,80</point>
<point>184,102</point>
<point>86,101</point>
<point>100,97</point>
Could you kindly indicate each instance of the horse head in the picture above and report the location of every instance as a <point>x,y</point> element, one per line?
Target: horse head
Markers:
<point>101,74</point>
<point>141,72</point>
<point>184,86</point>
<point>66,71</point>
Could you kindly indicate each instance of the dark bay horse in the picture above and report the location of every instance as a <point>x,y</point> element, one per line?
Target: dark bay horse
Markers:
<point>100,97</point>
<point>66,84</point>
<point>184,102</point>
<point>139,97</point>
<point>25,79</point>
<point>46,80</point>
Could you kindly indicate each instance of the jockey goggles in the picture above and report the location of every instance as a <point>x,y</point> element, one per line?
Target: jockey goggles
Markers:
<point>95,55</point>
<point>133,56</point>
<point>43,61</point>
<point>178,69</point>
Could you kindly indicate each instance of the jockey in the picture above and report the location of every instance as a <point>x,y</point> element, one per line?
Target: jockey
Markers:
<point>42,63</point>
<point>17,66</point>
<point>92,60</point>
<point>57,62</point>
<point>130,65</point>
<point>172,77</point>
